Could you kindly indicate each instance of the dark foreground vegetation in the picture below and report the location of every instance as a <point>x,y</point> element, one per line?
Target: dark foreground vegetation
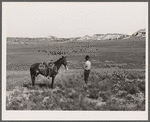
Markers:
<point>116,90</point>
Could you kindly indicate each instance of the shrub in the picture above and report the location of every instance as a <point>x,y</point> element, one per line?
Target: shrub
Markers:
<point>132,76</point>
<point>141,86</point>
<point>93,93</point>
<point>141,76</point>
<point>114,91</point>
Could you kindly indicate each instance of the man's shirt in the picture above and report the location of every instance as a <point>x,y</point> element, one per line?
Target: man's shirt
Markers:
<point>87,65</point>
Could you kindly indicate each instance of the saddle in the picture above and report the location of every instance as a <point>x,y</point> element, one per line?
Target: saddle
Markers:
<point>48,69</point>
<point>43,65</point>
<point>51,65</point>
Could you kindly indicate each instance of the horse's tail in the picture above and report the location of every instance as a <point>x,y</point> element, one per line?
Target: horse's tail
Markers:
<point>31,67</point>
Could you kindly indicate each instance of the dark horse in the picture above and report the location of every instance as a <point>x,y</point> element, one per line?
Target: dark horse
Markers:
<point>45,70</point>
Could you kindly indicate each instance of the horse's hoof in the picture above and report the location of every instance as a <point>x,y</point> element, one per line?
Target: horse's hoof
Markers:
<point>49,86</point>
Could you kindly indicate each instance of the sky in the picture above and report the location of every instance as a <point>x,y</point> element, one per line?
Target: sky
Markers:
<point>73,19</point>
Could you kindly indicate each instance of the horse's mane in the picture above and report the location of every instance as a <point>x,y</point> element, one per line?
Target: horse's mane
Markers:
<point>57,61</point>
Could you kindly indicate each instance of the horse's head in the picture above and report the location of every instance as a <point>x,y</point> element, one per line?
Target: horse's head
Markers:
<point>64,61</point>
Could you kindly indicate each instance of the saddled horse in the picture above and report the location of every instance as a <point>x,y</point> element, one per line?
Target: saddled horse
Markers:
<point>45,70</point>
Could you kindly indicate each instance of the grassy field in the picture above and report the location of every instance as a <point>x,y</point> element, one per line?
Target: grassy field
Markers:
<point>125,53</point>
<point>117,79</point>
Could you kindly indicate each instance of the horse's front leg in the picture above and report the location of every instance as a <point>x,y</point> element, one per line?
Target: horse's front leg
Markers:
<point>52,82</point>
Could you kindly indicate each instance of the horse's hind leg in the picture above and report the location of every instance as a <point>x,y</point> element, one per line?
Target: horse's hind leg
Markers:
<point>33,79</point>
<point>52,82</point>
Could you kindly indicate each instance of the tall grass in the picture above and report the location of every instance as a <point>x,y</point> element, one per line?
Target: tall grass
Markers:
<point>119,90</point>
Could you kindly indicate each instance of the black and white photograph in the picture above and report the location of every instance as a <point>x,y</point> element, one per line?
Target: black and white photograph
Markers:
<point>75,60</point>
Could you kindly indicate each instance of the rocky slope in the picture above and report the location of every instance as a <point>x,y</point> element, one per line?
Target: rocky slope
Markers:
<point>51,37</point>
<point>141,32</point>
<point>100,37</point>
<point>109,36</point>
<point>112,36</point>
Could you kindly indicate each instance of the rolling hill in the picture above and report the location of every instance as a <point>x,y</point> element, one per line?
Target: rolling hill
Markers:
<point>95,37</point>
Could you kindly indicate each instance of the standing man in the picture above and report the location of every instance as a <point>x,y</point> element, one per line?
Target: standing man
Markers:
<point>87,68</point>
